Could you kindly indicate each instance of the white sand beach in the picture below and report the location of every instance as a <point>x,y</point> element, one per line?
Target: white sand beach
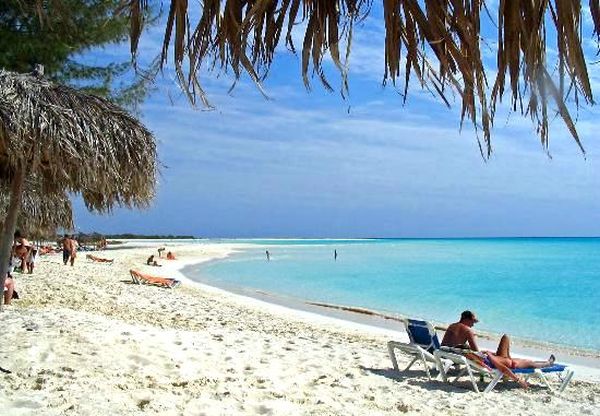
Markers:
<point>84,340</point>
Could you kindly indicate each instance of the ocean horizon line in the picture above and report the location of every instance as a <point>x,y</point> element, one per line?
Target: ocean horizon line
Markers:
<point>289,238</point>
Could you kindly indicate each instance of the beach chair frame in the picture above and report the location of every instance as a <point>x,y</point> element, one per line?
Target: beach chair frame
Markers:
<point>563,373</point>
<point>466,367</point>
<point>418,348</point>
<point>472,369</point>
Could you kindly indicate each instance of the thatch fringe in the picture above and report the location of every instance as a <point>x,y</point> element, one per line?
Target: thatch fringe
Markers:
<point>242,35</point>
<point>75,143</point>
<point>42,211</point>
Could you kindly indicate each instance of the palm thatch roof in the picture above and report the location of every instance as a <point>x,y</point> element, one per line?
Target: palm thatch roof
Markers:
<point>439,42</point>
<point>74,142</point>
<point>42,212</point>
<point>68,141</point>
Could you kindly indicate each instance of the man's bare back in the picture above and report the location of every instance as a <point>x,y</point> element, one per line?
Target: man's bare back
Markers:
<point>460,334</point>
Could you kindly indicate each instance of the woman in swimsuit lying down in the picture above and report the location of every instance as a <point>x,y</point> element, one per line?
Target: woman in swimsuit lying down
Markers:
<point>503,356</point>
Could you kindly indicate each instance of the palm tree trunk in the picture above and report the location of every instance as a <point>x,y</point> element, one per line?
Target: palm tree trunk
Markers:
<point>8,229</point>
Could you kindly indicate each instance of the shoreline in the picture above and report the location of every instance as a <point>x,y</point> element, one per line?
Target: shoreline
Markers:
<point>85,340</point>
<point>380,319</point>
<point>585,360</point>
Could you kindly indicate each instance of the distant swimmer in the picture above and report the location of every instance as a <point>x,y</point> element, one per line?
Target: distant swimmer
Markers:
<point>268,255</point>
<point>335,254</point>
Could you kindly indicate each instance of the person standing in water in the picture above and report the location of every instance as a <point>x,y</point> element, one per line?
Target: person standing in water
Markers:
<point>268,255</point>
<point>335,255</point>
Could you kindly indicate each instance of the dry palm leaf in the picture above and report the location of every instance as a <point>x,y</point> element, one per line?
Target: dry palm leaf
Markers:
<point>437,41</point>
<point>75,143</point>
<point>43,211</point>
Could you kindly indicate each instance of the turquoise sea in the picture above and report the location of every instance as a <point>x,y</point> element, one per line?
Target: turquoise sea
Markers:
<point>545,289</point>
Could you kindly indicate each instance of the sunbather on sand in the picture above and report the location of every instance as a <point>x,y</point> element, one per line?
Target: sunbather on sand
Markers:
<point>460,335</point>
<point>99,259</point>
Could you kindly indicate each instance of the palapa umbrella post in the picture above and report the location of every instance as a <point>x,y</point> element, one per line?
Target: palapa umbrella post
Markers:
<point>8,227</point>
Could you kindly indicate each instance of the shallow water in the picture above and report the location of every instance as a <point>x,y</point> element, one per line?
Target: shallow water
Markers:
<point>541,289</point>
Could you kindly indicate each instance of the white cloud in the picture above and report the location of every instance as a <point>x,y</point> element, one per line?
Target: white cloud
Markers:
<point>316,164</point>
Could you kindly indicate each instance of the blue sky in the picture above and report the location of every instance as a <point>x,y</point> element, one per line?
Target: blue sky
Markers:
<point>311,164</point>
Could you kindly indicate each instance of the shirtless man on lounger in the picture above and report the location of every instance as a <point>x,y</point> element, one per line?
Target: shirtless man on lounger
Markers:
<point>460,335</point>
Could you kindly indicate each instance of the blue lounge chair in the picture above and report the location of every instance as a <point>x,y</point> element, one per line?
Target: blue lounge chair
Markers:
<point>423,342</point>
<point>565,374</point>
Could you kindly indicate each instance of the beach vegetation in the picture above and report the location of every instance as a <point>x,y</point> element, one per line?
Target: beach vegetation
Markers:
<point>57,35</point>
<point>131,236</point>
<point>60,40</point>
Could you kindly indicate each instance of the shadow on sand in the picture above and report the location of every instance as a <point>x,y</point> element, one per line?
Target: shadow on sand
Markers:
<point>419,378</point>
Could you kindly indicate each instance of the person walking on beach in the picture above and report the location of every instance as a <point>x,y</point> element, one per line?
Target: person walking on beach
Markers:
<point>66,246</point>
<point>460,335</point>
<point>73,246</point>
<point>268,255</point>
<point>32,259</point>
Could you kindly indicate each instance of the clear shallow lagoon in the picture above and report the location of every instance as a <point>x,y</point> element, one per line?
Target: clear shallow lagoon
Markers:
<point>545,289</point>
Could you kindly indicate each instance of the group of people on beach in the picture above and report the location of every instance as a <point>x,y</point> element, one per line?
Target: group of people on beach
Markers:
<point>23,257</point>
<point>152,262</point>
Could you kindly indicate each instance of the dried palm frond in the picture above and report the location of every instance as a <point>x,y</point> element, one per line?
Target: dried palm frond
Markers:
<point>42,211</point>
<point>75,143</point>
<point>437,41</point>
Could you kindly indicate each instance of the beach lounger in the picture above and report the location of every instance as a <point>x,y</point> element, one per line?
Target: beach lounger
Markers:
<point>423,342</point>
<point>473,365</point>
<point>563,373</point>
<point>98,259</point>
<point>145,279</point>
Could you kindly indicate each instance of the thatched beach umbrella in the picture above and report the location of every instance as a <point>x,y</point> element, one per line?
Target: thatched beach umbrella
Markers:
<point>440,42</point>
<point>71,142</point>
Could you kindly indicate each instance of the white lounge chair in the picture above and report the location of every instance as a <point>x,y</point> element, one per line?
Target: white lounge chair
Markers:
<point>423,342</point>
<point>472,364</point>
